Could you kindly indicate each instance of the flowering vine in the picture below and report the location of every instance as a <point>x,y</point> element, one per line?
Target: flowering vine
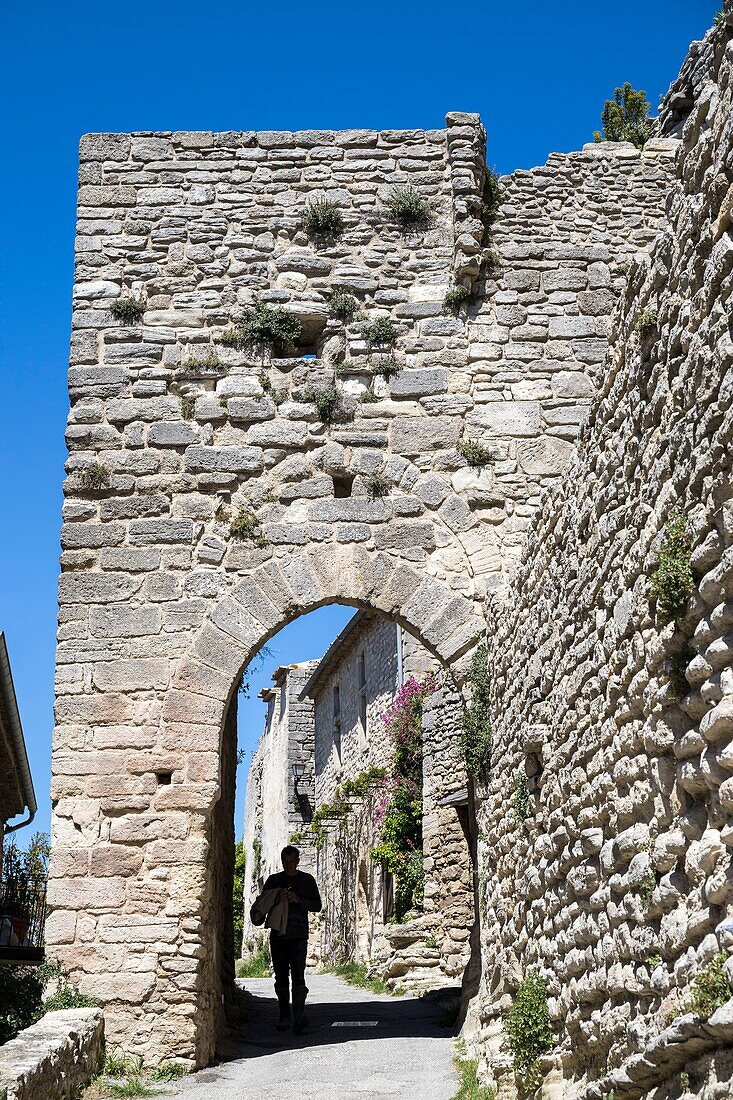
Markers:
<point>398,812</point>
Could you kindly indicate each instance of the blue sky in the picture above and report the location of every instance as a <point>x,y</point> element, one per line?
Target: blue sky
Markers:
<point>537,72</point>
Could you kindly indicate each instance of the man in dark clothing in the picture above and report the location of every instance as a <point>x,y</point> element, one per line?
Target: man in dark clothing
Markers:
<point>290,948</point>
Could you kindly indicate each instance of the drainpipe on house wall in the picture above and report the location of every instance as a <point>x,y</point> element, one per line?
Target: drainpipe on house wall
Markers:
<point>16,732</point>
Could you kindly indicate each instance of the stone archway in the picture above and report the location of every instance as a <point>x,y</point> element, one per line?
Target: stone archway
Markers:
<point>163,998</point>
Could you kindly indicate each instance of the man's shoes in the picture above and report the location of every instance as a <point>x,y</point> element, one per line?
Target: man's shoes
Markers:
<point>283,1024</point>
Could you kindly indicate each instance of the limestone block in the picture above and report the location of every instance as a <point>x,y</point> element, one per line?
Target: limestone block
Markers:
<point>135,674</point>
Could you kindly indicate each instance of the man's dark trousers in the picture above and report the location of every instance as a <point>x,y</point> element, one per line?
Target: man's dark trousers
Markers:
<point>288,957</point>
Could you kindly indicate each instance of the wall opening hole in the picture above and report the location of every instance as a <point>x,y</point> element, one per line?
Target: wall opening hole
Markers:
<point>164,778</point>
<point>342,485</point>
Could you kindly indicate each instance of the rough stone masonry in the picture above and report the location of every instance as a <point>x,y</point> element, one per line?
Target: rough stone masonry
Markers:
<point>172,435</point>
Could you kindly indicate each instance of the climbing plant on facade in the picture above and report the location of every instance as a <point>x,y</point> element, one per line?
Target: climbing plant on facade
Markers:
<point>476,727</point>
<point>399,811</point>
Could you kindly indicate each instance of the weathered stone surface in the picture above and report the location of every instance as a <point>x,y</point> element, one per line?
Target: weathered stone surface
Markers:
<point>55,1058</point>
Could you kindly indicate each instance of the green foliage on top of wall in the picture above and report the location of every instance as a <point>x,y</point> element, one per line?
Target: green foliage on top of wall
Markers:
<point>711,988</point>
<point>672,582</point>
<point>528,1029</point>
<point>476,725</point>
<point>264,328</point>
<point>626,117</point>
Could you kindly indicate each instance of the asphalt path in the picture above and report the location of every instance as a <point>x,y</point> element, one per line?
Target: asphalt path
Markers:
<point>357,1044</point>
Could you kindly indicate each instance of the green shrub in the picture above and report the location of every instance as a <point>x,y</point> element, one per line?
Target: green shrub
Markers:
<point>368,397</point>
<point>408,207</point>
<point>626,117</point>
<point>476,725</point>
<point>238,895</point>
<point>386,366</point>
<point>327,401</point>
<point>521,802</point>
<point>672,581</point>
<point>21,992</point>
<point>133,1086</point>
<point>711,988</point>
<point>264,328</point>
<point>646,322</point>
<point>245,527</point>
<point>342,306</point>
<point>188,407</point>
<point>256,966</point>
<point>456,296</point>
<point>377,486</point>
<point>719,17</point>
<point>492,261</point>
<point>647,886</point>
<point>528,1030</point>
<point>490,199</point>
<point>474,452</point>
<point>128,308</point>
<point>94,477</point>
<point>381,333</point>
<point>118,1065</point>
<point>468,1071</point>
<point>323,218</point>
<point>168,1071</point>
<point>66,994</point>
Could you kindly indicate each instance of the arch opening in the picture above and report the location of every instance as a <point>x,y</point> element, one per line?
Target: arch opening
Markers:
<point>324,705</point>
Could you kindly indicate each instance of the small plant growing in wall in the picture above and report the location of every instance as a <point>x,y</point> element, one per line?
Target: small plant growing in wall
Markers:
<point>327,401</point>
<point>343,306</point>
<point>94,477</point>
<point>264,328</point>
<point>188,405</point>
<point>386,366</point>
<point>457,296</point>
<point>377,485</point>
<point>408,208</point>
<point>245,527</point>
<point>474,452</point>
<point>476,724</point>
<point>128,308</point>
<point>646,322</point>
<point>626,117</point>
<point>521,801</point>
<point>528,1030</point>
<point>490,200</point>
<point>672,581</point>
<point>647,886</point>
<point>381,333</point>
<point>369,397</point>
<point>323,218</point>
<point>711,988</point>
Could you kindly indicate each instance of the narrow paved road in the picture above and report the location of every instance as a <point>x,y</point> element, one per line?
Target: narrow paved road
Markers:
<point>400,1049</point>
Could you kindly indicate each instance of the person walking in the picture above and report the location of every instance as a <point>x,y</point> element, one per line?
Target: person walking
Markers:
<point>283,906</point>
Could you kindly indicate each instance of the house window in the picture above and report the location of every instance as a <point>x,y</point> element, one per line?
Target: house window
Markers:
<point>337,722</point>
<point>362,697</point>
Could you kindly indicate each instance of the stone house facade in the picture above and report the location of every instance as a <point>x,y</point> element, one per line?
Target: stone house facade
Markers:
<point>327,716</point>
<point>604,322</point>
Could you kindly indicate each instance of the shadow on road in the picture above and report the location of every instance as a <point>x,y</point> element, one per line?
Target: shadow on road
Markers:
<point>335,1022</point>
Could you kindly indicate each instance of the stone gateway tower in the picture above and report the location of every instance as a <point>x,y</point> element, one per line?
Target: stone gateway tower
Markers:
<point>389,454</point>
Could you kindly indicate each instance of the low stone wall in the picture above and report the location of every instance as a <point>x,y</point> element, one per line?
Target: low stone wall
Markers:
<point>55,1058</point>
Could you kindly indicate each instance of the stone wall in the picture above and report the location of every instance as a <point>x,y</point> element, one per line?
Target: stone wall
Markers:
<point>171,434</point>
<point>617,885</point>
<point>54,1059</point>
